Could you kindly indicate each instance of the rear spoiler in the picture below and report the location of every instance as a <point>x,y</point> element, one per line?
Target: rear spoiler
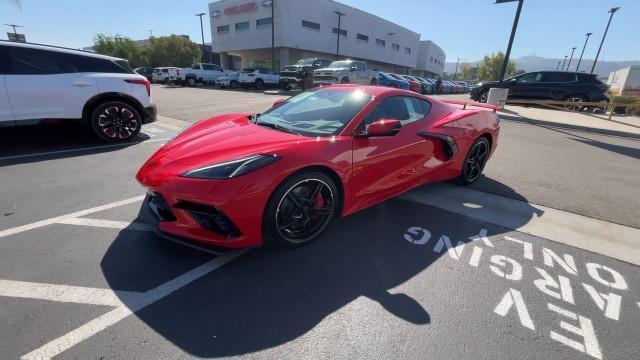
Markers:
<point>465,103</point>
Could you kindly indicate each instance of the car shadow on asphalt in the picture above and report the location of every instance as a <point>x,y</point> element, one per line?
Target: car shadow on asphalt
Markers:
<point>26,144</point>
<point>622,150</point>
<point>271,296</point>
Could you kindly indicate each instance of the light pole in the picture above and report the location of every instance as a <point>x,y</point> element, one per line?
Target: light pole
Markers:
<point>513,34</point>
<point>565,61</point>
<point>267,3</point>
<point>582,53</point>
<point>455,73</point>
<point>611,11</point>
<point>571,57</point>
<point>14,26</point>
<point>204,50</point>
<point>150,33</point>
<point>558,67</point>
<point>340,15</point>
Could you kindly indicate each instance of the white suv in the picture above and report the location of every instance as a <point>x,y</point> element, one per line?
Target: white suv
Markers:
<point>40,83</point>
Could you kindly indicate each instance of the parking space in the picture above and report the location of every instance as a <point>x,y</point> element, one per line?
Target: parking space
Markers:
<point>439,272</point>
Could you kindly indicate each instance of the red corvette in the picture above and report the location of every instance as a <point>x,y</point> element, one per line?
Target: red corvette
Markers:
<point>238,180</point>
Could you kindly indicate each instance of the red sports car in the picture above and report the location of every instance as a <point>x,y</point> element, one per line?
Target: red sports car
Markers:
<point>238,180</point>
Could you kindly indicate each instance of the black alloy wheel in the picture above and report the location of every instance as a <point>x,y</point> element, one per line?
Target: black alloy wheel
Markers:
<point>301,209</point>
<point>475,161</point>
<point>484,96</point>
<point>573,102</point>
<point>116,121</point>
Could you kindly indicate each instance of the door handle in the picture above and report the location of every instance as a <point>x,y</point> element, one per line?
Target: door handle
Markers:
<point>81,83</point>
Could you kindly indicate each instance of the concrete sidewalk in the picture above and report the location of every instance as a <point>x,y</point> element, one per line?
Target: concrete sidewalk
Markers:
<point>628,126</point>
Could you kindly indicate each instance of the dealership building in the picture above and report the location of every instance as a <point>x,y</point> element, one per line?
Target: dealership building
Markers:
<point>242,35</point>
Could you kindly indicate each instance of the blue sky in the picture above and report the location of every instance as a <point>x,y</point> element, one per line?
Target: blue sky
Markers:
<point>468,29</point>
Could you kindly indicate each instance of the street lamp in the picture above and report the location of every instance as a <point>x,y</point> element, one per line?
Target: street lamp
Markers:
<point>611,11</point>
<point>558,67</point>
<point>582,53</point>
<point>340,15</point>
<point>267,3</point>
<point>14,26</point>
<point>200,15</point>
<point>565,61</point>
<point>513,34</point>
<point>571,57</point>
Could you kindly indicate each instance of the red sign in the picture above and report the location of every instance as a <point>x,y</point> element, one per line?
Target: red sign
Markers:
<point>235,10</point>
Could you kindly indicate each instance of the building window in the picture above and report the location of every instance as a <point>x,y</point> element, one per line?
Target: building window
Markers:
<point>395,47</point>
<point>310,25</point>
<point>431,58</point>
<point>264,22</point>
<point>223,29</point>
<point>380,42</point>
<point>407,50</point>
<point>343,32</point>
<point>362,37</point>
<point>243,26</point>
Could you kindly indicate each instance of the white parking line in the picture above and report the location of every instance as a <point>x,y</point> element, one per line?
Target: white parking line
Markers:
<point>58,219</point>
<point>65,293</point>
<point>93,327</point>
<point>110,224</point>
<point>79,149</point>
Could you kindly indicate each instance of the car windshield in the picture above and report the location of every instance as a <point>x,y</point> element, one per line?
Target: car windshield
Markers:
<point>305,62</point>
<point>319,112</point>
<point>340,64</point>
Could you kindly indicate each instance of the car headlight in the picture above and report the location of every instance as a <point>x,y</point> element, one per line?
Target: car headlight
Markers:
<point>232,168</point>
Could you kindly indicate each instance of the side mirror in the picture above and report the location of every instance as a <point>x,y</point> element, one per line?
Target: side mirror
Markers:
<point>278,103</point>
<point>384,127</point>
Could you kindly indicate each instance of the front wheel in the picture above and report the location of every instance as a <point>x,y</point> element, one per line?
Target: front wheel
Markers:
<point>474,162</point>
<point>301,209</point>
<point>233,84</point>
<point>374,82</point>
<point>115,121</point>
<point>259,84</point>
<point>192,82</point>
<point>484,96</point>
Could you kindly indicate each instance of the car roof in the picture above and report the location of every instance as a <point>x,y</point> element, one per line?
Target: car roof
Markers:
<point>58,49</point>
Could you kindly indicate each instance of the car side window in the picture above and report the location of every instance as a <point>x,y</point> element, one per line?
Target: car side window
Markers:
<point>558,77</point>
<point>393,108</point>
<point>530,78</point>
<point>165,71</point>
<point>209,67</point>
<point>360,66</point>
<point>25,61</point>
<point>195,67</point>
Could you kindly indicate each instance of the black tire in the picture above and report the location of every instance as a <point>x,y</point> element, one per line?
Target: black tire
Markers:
<point>483,96</point>
<point>291,203</point>
<point>575,98</point>
<point>259,84</point>
<point>474,162</point>
<point>192,81</point>
<point>345,80</point>
<point>115,121</point>
<point>167,82</point>
<point>233,84</point>
<point>374,82</point>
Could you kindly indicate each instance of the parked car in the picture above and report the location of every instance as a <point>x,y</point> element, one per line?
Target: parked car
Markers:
<point>455,88</point>
<point>236,181</point>
<point>446,87</point>
<point>258,78</point>
<point>300,74</point>
<point>465,86</point>
<point>432,82</point>
<point>414,84</point>
<point>166,75</point>
<point>345,72</point>
<point>548,85</point>
<point>201,73</point>
<point>386,79</point>
<point>425,86</point>
<point>145,71</point>
<point>45,83</point>
<point>231,80</point>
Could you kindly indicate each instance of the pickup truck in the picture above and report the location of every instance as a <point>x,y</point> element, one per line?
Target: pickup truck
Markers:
<point>345,72</point>
<point>201,73</point>
<point>300,74</point>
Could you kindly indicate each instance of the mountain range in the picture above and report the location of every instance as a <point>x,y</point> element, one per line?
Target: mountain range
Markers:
<point>537,63</point>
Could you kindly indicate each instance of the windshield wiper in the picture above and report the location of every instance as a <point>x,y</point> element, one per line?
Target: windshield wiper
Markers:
<point>275,126</point>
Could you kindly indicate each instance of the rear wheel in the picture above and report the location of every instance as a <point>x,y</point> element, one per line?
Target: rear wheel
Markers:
<point>301,209</point>
<point>259,84</point>
<point>192,81</point>
<point>374,82</point>
<point>345,80</point>
<point>115,121</point>
<point>574,102</point>
<point>484,96</point>
<point>475,161</point>
<point>233,84</point>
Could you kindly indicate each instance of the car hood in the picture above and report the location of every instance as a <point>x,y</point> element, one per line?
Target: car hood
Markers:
<point>224,138</point>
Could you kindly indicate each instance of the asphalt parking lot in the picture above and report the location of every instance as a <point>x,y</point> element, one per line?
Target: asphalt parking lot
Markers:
<point>436,273</point>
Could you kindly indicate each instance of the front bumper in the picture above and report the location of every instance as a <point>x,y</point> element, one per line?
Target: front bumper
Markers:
<point>150,114</point>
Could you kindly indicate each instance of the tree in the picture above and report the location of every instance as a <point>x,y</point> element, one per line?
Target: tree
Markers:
<point>172,50</point>
<point>122,47</point>
<point>467,72</point>
<point>489,68</point>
